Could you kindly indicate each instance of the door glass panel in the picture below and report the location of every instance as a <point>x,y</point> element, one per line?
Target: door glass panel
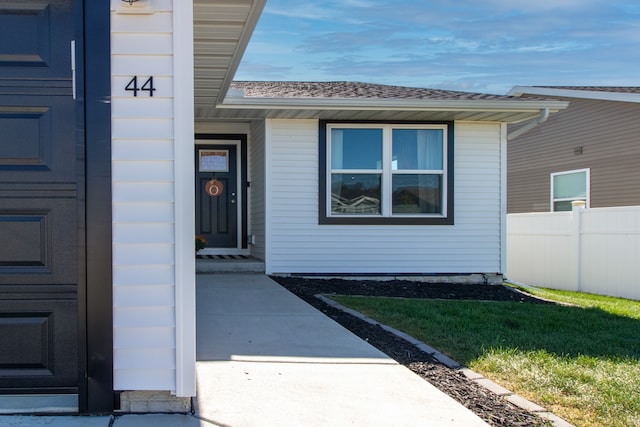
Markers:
<point>214,160</point>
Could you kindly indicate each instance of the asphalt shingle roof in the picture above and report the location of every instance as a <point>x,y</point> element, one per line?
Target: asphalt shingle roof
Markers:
<point>351,90</point>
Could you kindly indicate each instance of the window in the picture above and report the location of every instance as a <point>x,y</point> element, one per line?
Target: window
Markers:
<point>386,173</point>
<point>567,187</point>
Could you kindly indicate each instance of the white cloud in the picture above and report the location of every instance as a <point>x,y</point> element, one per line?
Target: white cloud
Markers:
<point>464,44</point>
<point>543,5</point>
<point>303,12</point>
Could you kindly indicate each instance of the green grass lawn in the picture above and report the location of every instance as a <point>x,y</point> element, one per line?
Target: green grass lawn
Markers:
<point>581,361</point>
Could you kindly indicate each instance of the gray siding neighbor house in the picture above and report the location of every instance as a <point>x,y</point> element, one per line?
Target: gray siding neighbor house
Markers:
<point>590,151</point>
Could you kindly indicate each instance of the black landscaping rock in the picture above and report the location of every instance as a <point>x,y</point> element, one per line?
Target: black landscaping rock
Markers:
<point>495,410</point>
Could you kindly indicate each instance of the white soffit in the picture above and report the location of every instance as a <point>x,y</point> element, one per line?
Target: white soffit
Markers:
<point>222,29</point>
<point>384,109</point>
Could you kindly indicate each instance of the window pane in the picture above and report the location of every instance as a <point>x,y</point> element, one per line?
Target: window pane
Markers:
<point>563,206</point>
<point>417,194</point>
<point>570,186</point>
<point>417,149</point>
<point>355,194</point>
<point>356,148</point>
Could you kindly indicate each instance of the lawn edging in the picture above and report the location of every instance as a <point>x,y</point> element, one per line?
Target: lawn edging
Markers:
<point>471,375</point>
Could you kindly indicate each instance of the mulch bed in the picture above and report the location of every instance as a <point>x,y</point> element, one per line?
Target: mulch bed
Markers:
<point>493,409</point>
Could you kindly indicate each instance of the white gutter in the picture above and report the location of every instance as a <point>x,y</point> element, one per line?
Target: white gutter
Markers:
<point>232,102</point>
<point>544,115</point>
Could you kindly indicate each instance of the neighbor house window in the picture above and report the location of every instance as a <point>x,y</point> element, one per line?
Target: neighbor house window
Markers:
<point>567,187</point>
<point>386,173</point>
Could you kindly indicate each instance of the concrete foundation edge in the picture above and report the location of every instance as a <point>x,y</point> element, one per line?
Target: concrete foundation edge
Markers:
<point>469,279</point>
<point>144,402</point>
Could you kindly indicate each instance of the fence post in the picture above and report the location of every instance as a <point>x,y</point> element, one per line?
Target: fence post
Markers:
<point>578,208</point>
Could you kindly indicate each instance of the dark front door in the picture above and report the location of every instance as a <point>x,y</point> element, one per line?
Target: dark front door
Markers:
<point>41,165</point>
<point>217,198</point>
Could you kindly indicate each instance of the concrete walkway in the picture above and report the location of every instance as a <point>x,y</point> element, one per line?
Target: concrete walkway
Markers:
<point>267,358</point>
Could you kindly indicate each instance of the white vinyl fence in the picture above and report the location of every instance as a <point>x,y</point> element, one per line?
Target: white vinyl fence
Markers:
<point>587,250</point>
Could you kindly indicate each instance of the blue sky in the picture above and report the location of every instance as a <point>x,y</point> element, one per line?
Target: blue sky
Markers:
<point>470,45</point>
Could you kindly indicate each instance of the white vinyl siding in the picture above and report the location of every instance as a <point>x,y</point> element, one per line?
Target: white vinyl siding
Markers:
<point>298,244</point>
<point>143,202</point>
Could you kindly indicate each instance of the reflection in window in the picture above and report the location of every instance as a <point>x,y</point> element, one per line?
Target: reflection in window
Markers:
<point>356,148</point>
<point>355,194</point>
<point>417,194</point>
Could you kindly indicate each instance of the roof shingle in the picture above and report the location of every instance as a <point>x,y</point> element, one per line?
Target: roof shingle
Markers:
<point>348,90</point>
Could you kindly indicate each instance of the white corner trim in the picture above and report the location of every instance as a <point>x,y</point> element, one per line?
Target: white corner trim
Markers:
<point>185,277</point>
<point>268,123</point>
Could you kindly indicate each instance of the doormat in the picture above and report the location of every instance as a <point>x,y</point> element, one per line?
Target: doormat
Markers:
<point>222,257</point>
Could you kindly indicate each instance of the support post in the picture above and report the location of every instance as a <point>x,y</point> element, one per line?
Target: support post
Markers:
<point>577,208</point>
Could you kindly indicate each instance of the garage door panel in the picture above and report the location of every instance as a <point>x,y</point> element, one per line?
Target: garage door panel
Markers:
<point>35,147</point>
<point>36,37</point>
<point>43,246</point>
<point>37,344</point>
<point>26,135</point>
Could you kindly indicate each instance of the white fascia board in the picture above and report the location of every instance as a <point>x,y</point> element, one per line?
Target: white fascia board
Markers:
<point>391,104</point>
<point>575,93</point>
<point>241,45</point>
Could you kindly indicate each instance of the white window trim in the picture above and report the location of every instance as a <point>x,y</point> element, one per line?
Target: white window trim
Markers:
<point>551,195</point>
<point>386,171</point>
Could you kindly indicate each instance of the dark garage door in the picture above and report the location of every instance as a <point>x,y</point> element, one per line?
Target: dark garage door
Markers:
<point>41,193</point>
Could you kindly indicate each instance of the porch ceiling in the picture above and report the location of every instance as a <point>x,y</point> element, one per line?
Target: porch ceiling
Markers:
<point>222,29</point>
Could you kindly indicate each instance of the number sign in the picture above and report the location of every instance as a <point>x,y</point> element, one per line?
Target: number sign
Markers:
<point>147,86</point>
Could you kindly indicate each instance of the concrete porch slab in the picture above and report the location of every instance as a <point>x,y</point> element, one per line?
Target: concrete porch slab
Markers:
<point>230,264</point>
<point>250,317</point>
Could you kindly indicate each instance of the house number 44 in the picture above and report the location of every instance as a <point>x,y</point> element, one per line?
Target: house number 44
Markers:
<point>134,87</point>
